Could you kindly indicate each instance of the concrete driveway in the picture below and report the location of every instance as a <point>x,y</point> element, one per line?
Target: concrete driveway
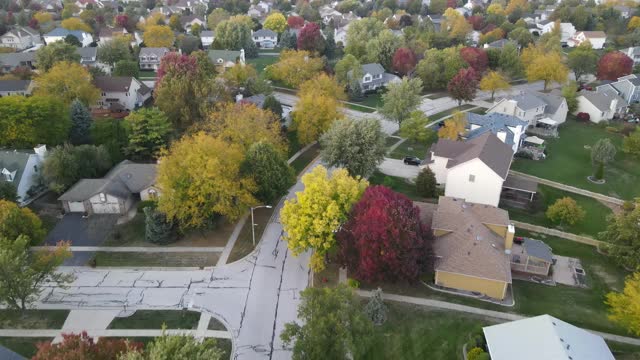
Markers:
<point>394,167</point>
<point>91,231</point>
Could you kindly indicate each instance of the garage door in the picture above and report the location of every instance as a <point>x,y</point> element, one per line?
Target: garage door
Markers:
<point>76,206</point>
<point>106,208</point>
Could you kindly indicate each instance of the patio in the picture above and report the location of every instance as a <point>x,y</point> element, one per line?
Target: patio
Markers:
<point>569,271</point>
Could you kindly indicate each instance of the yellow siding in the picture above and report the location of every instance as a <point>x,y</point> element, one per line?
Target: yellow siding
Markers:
<point>493,288</point>
<point>500,230</point>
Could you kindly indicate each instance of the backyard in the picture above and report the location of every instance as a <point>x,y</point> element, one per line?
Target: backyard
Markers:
<point>595,219</point>
<point>262,61</point>
<point>569,161</point>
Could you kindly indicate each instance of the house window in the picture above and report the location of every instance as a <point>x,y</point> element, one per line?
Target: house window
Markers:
<point>472,178</point>
<point>153,194</point>
<point>103,197</point>
<point>367,78</point>
<point>104,94</point>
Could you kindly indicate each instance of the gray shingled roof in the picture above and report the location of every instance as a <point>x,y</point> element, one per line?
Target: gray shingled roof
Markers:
<point>8,354</point>
<point>373,69</point>
<point>226,55</point>
<point>87,52</point>
<point>265,33</point>
<point>14,85</point>
<point>602,101</point>
<point>207,33</point>
<point>14,59</point>
<point>15,160</point>
<point>495,123</point>
<point>519,183</point>
<point>527,101</point>
<point>538,249</point>
<point>159,52</point>
<point>125,178</point>
<point>552,100</point>
<point>118,84</point>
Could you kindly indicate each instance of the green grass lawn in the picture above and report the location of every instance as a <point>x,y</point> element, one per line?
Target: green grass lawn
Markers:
<point>301,162</point>
<point>413,332</point>
<point>262,62</point>
<point>215,324</point>
<point>182,259</point>
<point>397,184</point>
<point>32,319</point>
<point>444,113</point>
<point>147,74</point>
<point>359,108</point>
<point>594,222</point>
<point>568,161</point>
<point>154,319</point>
<point>244,243</point>
<point>26,347</point>
<point>390,141</point>
<point>409,148</point>
<point>373,100</point>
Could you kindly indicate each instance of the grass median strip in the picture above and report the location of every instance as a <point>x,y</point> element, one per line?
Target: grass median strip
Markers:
<point>140,259</point>
<point>32,319</point>
<point>155,319</point>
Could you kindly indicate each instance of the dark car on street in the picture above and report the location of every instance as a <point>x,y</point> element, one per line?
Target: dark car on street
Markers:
<point>412,160</point>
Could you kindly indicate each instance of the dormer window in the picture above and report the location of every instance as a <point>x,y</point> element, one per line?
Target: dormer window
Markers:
<point>9,175</point>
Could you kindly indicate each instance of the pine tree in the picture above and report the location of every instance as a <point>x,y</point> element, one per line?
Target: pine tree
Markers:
<point>80,123</point>
<point>426,183</point>
<point>375,309</point>
<point>289,40</point>
<point>271,103</point>
<point>157,229</point>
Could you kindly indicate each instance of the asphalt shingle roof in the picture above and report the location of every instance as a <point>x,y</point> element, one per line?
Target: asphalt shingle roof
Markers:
<point>538,249</point>
<point>373,69</point>
<point>14,160</point>
<point>14,85</point>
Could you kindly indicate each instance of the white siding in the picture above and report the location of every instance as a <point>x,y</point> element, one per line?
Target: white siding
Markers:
<point>485,188</point>
<point>28,177</point>
<point>439,168</point>
<point>595,114</point>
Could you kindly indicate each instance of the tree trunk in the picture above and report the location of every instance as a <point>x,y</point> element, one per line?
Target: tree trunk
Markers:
<point>493,92</point>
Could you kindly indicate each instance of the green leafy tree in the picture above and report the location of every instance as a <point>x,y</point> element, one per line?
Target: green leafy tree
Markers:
<point>333,326</point>
<point>177,347</point>
<point>631,143</point>
<point>158,230</point>
<point>382,48</point>
<point>357,145</point>
<point>8,191</point>
<point>232,34</point>
<point>602,152</point>
<point>401,99</point>
<point>565,211</point>
<point>522,36</point>
<point>583,60</point>
<point>149,130</point>
<point>360,33</point>
<point>80,132</point>
<point>477,354</point>
<point>66,164</point>
<point>426,184</point>
<point>112,134</point>
<point>415,129</point>
<point>272,104</point>
<point>509,61</point>
<point>115,50</point>
<point>126,68</point>
<point>348,64</point>
<point>24,272</point>
<point>49,55</point>
<point>16,221</point>
<point>272,174</point>
<point>28,121</point>
<point>622,237</point>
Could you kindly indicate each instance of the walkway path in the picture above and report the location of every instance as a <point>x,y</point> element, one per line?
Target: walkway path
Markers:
<point>569,188</point>
<point>473,310</point>
<point>140,249</point>
<point>232,241</point>
<point>558,233</point>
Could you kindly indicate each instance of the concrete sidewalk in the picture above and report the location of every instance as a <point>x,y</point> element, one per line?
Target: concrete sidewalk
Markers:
<point>141,249</point>
<point>48,333</point>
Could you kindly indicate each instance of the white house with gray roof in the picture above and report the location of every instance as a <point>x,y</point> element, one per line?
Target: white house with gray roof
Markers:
<point>22,168</point>
<point>115,193</point>
<point>207,37</point>
<point>509,129</point>
<point>59,34</point>
<point>15,87</point>
<point>150,58</point>
<point>265,38</point>
<point>20,38</point>
<point>601,106</point>
<point>374,77</point>
<point>224,59</point>
<point>633,53</point>
<point>120,93</point>
<point>533,107</point>
<point>11,61</point>
<point>627,87</point>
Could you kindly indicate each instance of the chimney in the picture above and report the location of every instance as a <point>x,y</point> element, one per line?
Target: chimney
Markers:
<point>239,97</point>
<point>41,151</point>
<point>508,239</point>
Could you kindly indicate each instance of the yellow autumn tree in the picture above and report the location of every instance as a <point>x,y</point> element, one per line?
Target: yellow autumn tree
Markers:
<point>244,125</point>
<point>311,219</point>
<point>547,67</point>
<point>75,24</point>
<point>294,67</point>
<point>43,17</point>
<point>68,81</point>
<point>453,127</point>
<point>200,179</point>
<point>495,9</point>
<point>155,18</point>
<point>456,25</point>
<point>625,306</point>
<point>515,5</point>
<point>275,22</point>
<point>493,81</point>
<point>158,36</point>
<point>634,23</point>
<point>323,85</point>
<point>314,115</point>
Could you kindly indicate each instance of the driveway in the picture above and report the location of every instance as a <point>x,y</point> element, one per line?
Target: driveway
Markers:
<point>91,231</point>
<point>394,167</point>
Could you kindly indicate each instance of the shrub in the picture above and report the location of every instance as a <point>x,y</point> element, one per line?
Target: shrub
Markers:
<point>582,116</point>
<point>612,129</point>
<point>476,354</point>
<point>353,283</point>
<point>627,129</point>
<point>524,154</point>
<point>426,184</point>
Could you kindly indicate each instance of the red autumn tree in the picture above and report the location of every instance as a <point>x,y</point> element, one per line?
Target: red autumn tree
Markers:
<point>476,58</point>
<point>488,28</point>
<point>452,4</point>
<point>82,346</point>
<point>614,65</point>
<point>33,23</point>
<point>384,239</point>
<point>122,20</point>
<point>310,38</point>
<point>295,22</point>
<point>404,60</point>
<point>476,21</point>
<point>177,64</point>
<point>463,85</point>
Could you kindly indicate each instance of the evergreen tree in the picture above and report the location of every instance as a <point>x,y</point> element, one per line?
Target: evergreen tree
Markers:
<point>289,40</point>
<point>426,183</point>
<point>330,45</point>
<point>157,229</point>
<point>375,309</point>
<point>250,49</point>
<point>80,123</point>
<point>270,170</point>
<point>271,103</point>
<point>354,90</point>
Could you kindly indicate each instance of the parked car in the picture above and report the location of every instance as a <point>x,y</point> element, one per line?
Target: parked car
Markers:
<point>412,160</point>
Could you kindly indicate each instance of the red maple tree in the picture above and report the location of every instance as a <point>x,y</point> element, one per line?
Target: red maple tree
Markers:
<point>81,346</point>
<point>310,38</point>
<point>404,60</point>
<point>295,22</point>
<point>463,85</point>
<point>177,64</point>
<point>122,20</point>
<point>476,58</point>
<point>476,21</point>
<point>614,65</point>
<point>384,239</point>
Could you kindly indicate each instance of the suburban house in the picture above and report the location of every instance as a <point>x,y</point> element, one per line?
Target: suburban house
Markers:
<point>473,170</point>
<point>259,10</point>
<point>115,193</point>
<point>265,38</point>
<point>567,30</point>
<point>108,33</point>
<point>625,11</point>
<point>601,106</point>
<point>374,77</point>
<point>20,38</point>
<point>149,58</point>
<point>508,128</point>
<point>534,107</point>
<point>327,13</point>
<point>532,257</point>
<point>59,34</point>
<point>544,337</point>
<point>11,61</point>
<point>226,58</point>
<point>471,247</point>
<point>207,37</point>
<point>499,44</point>
<point>633,53</point>
<point>22,169</point>
<point>627,87</point>
<point>89,57</point>
<point>120,93</point>
<point>15,87</point>
<point>188,21</point>
<point>340,35</point>
<point>596,38</point>
<point>258,101</point>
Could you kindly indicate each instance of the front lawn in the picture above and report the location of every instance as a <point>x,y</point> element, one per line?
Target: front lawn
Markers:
<point>373,100</point>
<point>262,61</point>
<point>244,243</point>
<point>397,184</point>
<point>155,319</point>
<point>410,148</point>
<point>358,108</point>
<point>441,114</point>
<point>143,259</point>
<point>302,161</point>
<point>569,161</point>
<point>147,75</point>
<point>595,219</point>
<point>32,319</point>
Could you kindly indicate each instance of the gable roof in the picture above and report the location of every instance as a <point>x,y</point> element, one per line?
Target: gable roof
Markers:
<point>469,247</point>
<point>226,55</point>
<point>87,52</point>
<point>64,32</point>
<point>265,33</point>
<point>593,34</point>
<point>544,337</point>
<point>159,52</point>
<point>487,147</point>
<point>14,85</point>
<point>14,59</point>
<point>494,123</point>
<point>372,68</point>
<point>118,84</point>
<point>207,33</point>
<point>124,179</point>
<point>602,100</point>
<point>21,32</point>
<point>15,160</point>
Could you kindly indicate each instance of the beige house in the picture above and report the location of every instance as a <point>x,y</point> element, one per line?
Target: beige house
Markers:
<point>472,247</point>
